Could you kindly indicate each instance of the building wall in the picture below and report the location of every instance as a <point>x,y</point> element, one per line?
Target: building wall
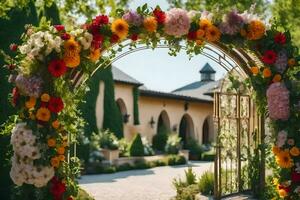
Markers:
<point>151,107</point>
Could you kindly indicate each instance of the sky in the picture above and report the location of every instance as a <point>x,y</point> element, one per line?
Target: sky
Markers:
<point>159,71</point>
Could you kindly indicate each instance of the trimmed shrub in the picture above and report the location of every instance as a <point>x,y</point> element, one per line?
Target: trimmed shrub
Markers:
<point>173,144</point>
<point>141,164</point>
<point>206,183</point>
<point>209,155</point>
<point>136,148</point>
<point>195,149</point>
<point>159,140</point>
<point>175,160</point>
<point>124,167</point>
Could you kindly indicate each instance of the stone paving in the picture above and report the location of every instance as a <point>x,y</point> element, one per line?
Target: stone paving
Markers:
<point>148,184</point>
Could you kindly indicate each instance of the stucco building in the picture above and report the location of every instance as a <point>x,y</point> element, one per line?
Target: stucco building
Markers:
<point>187,110</point>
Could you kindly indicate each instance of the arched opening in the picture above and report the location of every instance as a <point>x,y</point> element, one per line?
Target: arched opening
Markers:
<point>205,132</point>
<point>186,128</point>
<point>163,121</point>
<point>123,110</point>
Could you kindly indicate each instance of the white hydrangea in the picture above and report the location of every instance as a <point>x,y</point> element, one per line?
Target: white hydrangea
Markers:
<point>41,44</point>
<point>26,150</point>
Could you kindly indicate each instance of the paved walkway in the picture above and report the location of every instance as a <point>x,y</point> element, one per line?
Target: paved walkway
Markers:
<point>149,184</point>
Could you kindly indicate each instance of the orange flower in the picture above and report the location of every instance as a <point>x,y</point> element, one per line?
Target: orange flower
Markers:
<point>204,24</point>
<point>95,55</point>
<point>294,151</point>
<point>62,157</point>
<point>254,70</point>
<point>212,34</point>
<point>55,124</point>
<point>150,24</point>
<point>45,97</point>
<point>55,161</point>
<point>51,142</point>
<point>291,62</point>
<point>30,103</point>
<point>120,27</point>
<point>277,78</point>
<point>43,114</point>
<point>276,150</point>
<point>282,193</point>
<point>200,42</point>
<point>65,144</point>
<point>200,33</point>
<point>267,73</point>
<point>256,30</point>
<point>71,55</point>
<point>60,150</point>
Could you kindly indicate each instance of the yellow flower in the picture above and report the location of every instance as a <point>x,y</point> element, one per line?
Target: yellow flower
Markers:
<point>267,73</point>
<point>30,103</point>
<point>43,114</point>
<point>120,27</point>
<point>62,157</point>
<point>55,124</point>
<point>276,150</point>
<point>51,142</point>
<point>71,55</point>
<point>55,161</point>
<point>277,78</point>
<point>275,181</point>
<point>294,151</point>
<point>255,70</point>
<point>291,62</point>
<point>204,24</point>
<point>282,193</point>
<point>150,24</point>
<point>212,34</point>
<point>95,55</point>
<point>256,30</point>
<point>284,160</point>
<point>45,97</point>
<point>61,150</point>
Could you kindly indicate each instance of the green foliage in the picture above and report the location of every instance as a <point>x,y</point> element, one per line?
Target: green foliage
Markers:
<point>159,140</point>
<point>136,119</point>
<point>136,148</point>
<point>51,13</point>
<point>108,140</point>
<point>123,147</point>
<point>175,160</point>
<point>173,144</point>
<point>209,155</point>
<point>148,151</point>
<point>206,183</point>
<point>83,195</point>
<point>112,117</point>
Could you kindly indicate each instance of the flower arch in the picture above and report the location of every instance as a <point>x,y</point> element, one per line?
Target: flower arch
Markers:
<point>52,62</point>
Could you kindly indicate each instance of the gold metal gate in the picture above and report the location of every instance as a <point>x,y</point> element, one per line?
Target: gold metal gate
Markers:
<point>234,120</point>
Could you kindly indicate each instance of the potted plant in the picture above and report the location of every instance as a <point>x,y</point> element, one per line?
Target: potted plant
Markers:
<point>109,145</point>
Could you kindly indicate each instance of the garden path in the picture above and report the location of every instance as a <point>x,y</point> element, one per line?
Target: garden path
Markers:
<point>148,184</point>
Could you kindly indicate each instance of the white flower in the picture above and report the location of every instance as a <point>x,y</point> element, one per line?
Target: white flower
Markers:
<point>191,14</point>
<point>207,15</point>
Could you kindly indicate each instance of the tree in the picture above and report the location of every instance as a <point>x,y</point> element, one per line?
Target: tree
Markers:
<point>287,13</point>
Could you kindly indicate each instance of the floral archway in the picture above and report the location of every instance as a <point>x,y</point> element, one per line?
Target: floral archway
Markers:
<point>52,62</point>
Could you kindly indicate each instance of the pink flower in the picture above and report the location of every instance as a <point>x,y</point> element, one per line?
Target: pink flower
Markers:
<point>278,101</point>
<point>177,22</point>
<point>281,138</point>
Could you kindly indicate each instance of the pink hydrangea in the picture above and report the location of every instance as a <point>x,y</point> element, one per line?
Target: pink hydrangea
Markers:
<point>278,101</point>
<point>177,22</point>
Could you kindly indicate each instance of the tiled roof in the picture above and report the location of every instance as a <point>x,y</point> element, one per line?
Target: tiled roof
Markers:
<point>207,69</point>
<point>120,76</point>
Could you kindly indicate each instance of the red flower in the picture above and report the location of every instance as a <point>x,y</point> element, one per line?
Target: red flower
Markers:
<point>55,104</point>
<point>57,188</point>
<point>192,35</point>
<point>134,37</point>
<point>159,15</point>
<point>287,189</point>
<point>13,47</point>
<point>44,104</point>
<point>15,96</point>
<point>57,68</point>
<point>59,27</point>
<point>295,177</point>
<point>97,41</point>
<point>280,38</point>
<point>114,38</point>
<point>65,36</point>
<point>269,57</point>
<point>101,20</point>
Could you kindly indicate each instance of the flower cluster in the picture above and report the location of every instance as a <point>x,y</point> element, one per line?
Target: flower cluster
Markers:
<point>26,150</point>
<point>177,22</point>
